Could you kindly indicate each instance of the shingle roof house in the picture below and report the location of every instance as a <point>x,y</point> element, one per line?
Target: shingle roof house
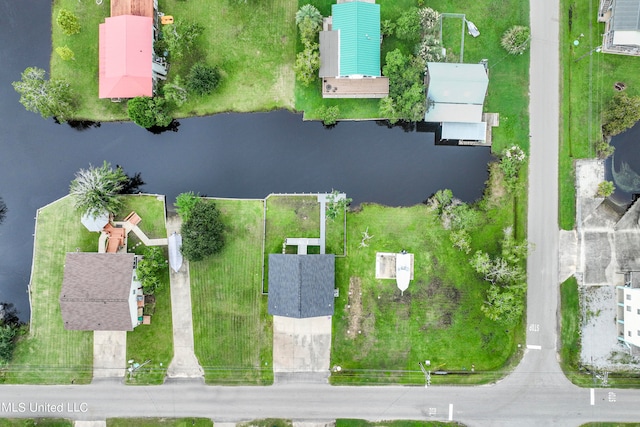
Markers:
<point>99,292</point>
<point>350,48</point>
<point>301,286</point>
<point>622,26</point>
<point>456,94</point>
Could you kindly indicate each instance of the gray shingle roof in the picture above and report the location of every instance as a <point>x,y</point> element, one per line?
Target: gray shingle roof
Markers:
<point>626,15</point>
<point>301,286</point>
<point>329,58</point>
<point>95,291</point>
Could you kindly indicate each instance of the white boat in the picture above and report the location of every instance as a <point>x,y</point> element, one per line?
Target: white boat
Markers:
<point>473,30</point>
<point>403,270</point>
<point>175,256</point>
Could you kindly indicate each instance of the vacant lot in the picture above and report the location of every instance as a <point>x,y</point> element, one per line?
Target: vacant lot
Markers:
<point>231,328</point>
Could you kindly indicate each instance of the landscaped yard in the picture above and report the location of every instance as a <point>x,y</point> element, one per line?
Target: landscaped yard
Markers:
<point>379,335</point>
<point>587,86</point>
<point>231,328</point>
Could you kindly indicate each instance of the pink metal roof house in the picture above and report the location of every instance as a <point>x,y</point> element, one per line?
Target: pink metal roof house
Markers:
<point>126,57</point>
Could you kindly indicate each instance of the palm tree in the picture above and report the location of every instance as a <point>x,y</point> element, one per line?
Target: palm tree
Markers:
<point>310,11</point>
<point>97,189</point>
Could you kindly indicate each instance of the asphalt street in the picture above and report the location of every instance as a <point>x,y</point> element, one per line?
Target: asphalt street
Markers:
<point>536,393</point>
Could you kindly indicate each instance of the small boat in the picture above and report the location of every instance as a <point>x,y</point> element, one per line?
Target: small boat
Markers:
<point>473,30</point>
<point>175,256</point>
<point>403,270</point>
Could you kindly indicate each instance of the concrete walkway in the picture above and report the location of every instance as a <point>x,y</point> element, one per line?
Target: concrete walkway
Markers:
<point>109,354</point>
<point>184,363</point>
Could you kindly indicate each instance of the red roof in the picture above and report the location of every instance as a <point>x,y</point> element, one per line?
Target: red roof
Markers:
<point>126,44</point>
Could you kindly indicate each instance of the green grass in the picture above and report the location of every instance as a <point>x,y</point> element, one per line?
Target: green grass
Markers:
<point>231,327</point>
<point>346,422</point>
<point>570,333</point>
<point>267,422</point>
<point>153,342</point>
<point>379,336</point>
<point>164,422</point>
<point>49,354</point>
<point>41,422</point>
<point>587,86</point>
<point>152,211</point>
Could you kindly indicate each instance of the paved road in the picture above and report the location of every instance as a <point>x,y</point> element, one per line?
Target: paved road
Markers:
<point>536,393</point>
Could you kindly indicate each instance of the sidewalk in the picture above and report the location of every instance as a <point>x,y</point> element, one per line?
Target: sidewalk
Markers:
<point>184,363</point>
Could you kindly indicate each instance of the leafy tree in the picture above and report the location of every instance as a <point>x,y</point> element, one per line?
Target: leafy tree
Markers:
<point>148,112</point>
<point>429,18</point>
<point>461,240</point>
<point>65,53</point>
<point>429,49</point>
<point>68,22</point>
<point>180,37</point>
<point>510,163</point>
<point>150,268</point>
<point>49,98</point>
<point>203,79</point>
<point>329,115</point>
<point>440,200</point>
<point>97,189</point>
<point>308,30</point>
<point>307,64</point>
<point>504,305</point>
<point>311,12</point>
<point>185,203</point>
<point>175,91</point>
<point>387,27</point>
<point>622,112</point>
<point>408,26</point>
<point>202,232</point>
<point>336,206</point>
<point>406,88</point>
<point>605,189</point>
<point>516,39</point>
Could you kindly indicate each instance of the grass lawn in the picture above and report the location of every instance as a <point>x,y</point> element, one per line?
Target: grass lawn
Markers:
<point>508,75</point>
<point>151,209</point>
<point>164,422</point>
<point>231,328</point>
<point>380,336</point>
<point>41,422</point>
<point>49,354</point>
<point>587,86</point>
<point>267,422</point>
<point>346,422</point>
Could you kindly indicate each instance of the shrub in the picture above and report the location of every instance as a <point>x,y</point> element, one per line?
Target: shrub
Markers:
<point>68,22</point>
<point>148,112</point>
<point>429,49</point>
<point>307,64</point>
<point>65,53</point>
<point>202,233</point>
<point>516,39</point>
<point>605,189</point>
<point>408,26</point>
<point>511,162</point>
<point>621,113</point>
<point>150,268</point>
<point>175,91</point>
<point>180,37</point>
<point>203,79</point>
<point>308,31</point>
<point>387,27</point>
<point>429,18</point>
<point>329,115</point>
<point>185,203</point>
<point>604,149</point>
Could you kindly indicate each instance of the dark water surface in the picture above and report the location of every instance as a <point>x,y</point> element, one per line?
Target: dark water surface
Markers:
<point>228,155</point>
<point>623,167</point>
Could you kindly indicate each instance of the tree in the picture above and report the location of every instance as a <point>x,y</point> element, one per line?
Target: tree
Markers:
<point>429,18</point>
<point>387,27</point>
<point>622,112</point>
<point>202,232</point>
<point>440,200</point>
<point>335,206</point>
<point>148,112</point>
<point>516,39</point>
<point>311,12</point>
<point>65,53</point>
<point>406,88</point>
<point>604,149</point>
<point>429,49</point>
<point>510,164</point>
<point>308,30</point>
<point>150,268</point>
<point>461,240</point>
<point>329,115</point>
<point>68,22</point>
<point>408,26</point>
<point>180,37</point>
<point>7,343</point>
<point>185,203</point>
<point>504,305</point>
<point>175,91</point>
<point>49,98</point>
<point>307,64</point>
<point>96,190</point>
<point>203,79</point>
<point>605,189</point>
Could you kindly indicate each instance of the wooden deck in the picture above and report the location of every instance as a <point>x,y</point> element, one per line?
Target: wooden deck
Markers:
<point>367,87</point>
<point>132,7</point>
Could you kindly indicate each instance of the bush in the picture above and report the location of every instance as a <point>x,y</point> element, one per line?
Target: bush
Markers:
<point>307,64</point>
<point>329,115</point>
<point>604,149</point>
<point>65,53</point>
<point>516,39</point>
<point>429,18</point>
<point>408,26</point>
<point>150,267</point>
<point>180,37</point>
<point>605,189</point>
<point>202,233</point>
<point>621,113</point>
<point>387,27</point>
<point>185,203</point>
<point>175,91</point>
<point>510,163</point>
<point>203,79</point>
<point>68,22</point>
<point>148,112</point>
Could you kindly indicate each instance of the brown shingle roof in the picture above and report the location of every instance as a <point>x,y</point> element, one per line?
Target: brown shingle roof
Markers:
<point>95,291</point>
<point>132,7</point>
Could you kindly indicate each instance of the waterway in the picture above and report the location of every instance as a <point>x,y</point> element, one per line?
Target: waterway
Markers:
<point>227,155</point>
<point>623,167</point>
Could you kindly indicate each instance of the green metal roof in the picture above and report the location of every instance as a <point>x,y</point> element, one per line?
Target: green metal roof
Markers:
<point>359,27</point>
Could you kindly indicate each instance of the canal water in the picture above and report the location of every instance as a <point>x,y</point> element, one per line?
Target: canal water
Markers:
<point>227,155</point>
<point>623,167</point>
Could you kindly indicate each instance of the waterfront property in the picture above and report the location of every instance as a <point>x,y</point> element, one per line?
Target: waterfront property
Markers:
<point>350,52</point>
<point>622,26</point>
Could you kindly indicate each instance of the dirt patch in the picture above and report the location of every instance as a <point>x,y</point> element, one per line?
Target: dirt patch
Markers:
<point>442,301</point>
<point>495,190</point>
<point>354,307</point>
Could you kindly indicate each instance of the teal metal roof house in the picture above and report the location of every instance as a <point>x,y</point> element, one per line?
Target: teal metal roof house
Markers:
<point>350,48</point>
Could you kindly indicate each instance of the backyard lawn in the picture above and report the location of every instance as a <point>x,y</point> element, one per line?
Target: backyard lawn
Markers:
<point>379,335</point>
<point>231,328</point>
<point>587,86</point>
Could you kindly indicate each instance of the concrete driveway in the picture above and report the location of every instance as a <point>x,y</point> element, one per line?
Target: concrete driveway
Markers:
<point>109,354</point>
<point>301,345</point>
